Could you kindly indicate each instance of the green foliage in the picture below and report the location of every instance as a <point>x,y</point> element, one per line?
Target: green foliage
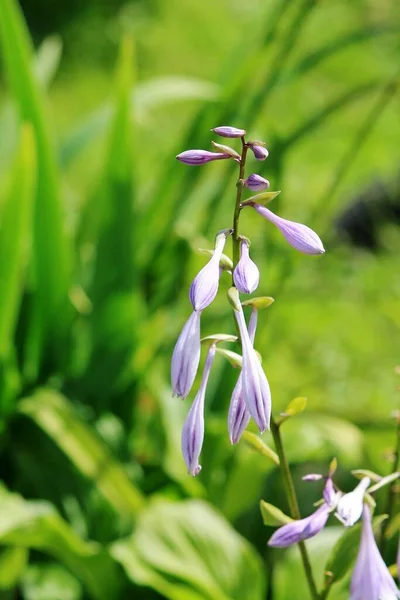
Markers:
<point>98,223</point>
<point>187,550</point>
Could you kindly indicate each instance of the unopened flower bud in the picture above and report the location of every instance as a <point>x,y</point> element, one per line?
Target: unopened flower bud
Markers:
<point>297,235</point>
<point>246,274</point>
<point>257,394</point>
<point>204,287</point>
<point>259,151</point>
<point>256,183</point>
<point>229,132</point>
<point>193,429</point>
<point>200,157</point>
<point>300,530</point>
<point>186,357</point>
<point>239,416</point>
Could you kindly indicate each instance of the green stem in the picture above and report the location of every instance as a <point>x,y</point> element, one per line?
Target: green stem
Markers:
<point>390,503</point>
<point>293,505</point>
<point>239,188</point>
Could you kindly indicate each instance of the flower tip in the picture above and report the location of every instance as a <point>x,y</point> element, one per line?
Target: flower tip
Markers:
<point>195,471</point>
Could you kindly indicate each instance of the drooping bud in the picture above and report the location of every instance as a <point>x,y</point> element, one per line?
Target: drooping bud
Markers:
<point>200,157</point>
<point>300,530</point>
<point>371,578</point>
<point>297,235</point>
<point>350,506</point>
<point>186,357</point>
<point>257,394</point>
<point>256,183</point>
<point>204,287</point>
<point>193,429</point>
<point>229,132</point>
<point>331,496</point>
<point>246,275</point>
<point>259,151</point>
<point>238,415</point>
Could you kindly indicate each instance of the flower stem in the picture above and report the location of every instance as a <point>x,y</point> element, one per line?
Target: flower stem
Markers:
<point>239,187</point>
<point>293,505</point>
<point>391,497</point>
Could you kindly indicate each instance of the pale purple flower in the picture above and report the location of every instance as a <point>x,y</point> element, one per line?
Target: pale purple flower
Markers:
<point>256,390</point>
<point>204,287</point>
<point>312,477</point>
<point>300,530</point>
<point>186,357</point>
<point>193,429</point>
<point>260,152</point>
<point>256,183</point>
<point>371,579</point>
<point>229,132</point>
<point>200,157</point>
<point>246,275</point>
<point>330,495</point>
<point>297,235</point>
<point>350,506</point>
<point>238,415</point>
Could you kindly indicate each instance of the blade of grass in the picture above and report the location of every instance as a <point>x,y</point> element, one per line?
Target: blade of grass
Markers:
<point>51,259</point>
<point>53,414</point>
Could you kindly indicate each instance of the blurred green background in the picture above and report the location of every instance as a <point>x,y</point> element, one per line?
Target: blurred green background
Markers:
<point>100,227</point>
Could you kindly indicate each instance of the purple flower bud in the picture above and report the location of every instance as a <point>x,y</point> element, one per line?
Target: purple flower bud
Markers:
<point>331,496</point>
<point>297,235</point>
<point>229,132</point>
<point>260,152</point>
<point>371,578</point>
<point>239,416</point>
<point>193,429</point>
<point>256,390</point>
<point>186,357</point>
<point>300,530</point>
<point>350,506</point>
<point>256,183</point>
<point>200,157</point>
<point>204,287</point>
<point>246,274</point>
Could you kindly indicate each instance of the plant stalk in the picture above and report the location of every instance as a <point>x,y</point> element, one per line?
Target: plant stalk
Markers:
<point>293,505</point>
<point>239,188</point>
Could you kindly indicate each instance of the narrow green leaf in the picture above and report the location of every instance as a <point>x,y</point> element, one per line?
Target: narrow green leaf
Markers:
<point>13,561</point>
<point>51,265</point>
<point>273,516</point>
<point>232,357</point>
<point>53,413</point>
<point>16,222</point>
<point>259,302</point>
<point>34,524</point>
<point>257,444</point>
<point>295,407</point>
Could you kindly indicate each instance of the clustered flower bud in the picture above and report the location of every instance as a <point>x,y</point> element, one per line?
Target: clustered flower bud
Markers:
<point>251,397</point>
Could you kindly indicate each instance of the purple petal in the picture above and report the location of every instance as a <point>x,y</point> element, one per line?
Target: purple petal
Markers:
<point>200,157</point>
<point>257,394</point>
<point>371,578</point>
<point>256,183</point>
<point>350,506</point>
<point>297,531</point>
<point>246,275</point>
<point>204,287</point>
<point>330,495</point>
<point>297,235</point>
<point>186,357</point>
<point>229,132</point>
<point>193,429</point>
<point>239,416</point>
<point>260,152</point>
